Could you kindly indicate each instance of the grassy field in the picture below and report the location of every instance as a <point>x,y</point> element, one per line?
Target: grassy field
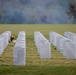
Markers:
<point>56,65</point>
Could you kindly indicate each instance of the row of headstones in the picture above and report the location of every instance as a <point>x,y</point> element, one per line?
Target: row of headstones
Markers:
<point>20,49</point>
<point>4,40</point>
<point>41,42</point>
<point>71,44</point>
<point>66,45</point>
<point>43,45</point>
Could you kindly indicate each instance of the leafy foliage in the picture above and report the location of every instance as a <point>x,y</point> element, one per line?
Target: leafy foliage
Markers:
<point>72,11</point>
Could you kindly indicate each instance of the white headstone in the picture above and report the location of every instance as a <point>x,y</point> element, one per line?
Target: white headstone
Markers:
<point>45,49</point>
<point>51,37</point>
<point>19,55</point>
<point>54,37</point>
<point>42,45</point>
<point>20,49</point>
<point>4,40</point>
<point>69,49</point>
<point>1,46</point>
<point>60,44</point>
<point>70,35</point>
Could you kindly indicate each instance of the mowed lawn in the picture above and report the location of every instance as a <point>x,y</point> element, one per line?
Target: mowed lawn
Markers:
<point>56,65</point>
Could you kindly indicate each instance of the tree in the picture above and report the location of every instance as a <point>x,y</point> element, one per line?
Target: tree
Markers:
<point>72,11</point>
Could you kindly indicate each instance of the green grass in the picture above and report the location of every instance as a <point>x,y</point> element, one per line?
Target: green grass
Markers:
<point>56,65</point>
